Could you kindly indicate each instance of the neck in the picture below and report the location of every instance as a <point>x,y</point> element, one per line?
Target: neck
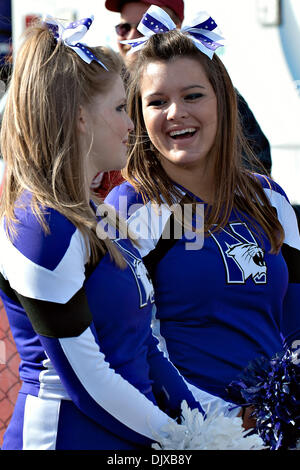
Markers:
<point>90,171</point>
<point>198,181</point>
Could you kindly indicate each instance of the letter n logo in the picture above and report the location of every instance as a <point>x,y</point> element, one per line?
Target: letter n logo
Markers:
<point>241,254</point>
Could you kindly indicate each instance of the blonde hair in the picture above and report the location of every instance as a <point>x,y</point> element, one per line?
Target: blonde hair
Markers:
<point>235,186</point>
<point>39,138</point>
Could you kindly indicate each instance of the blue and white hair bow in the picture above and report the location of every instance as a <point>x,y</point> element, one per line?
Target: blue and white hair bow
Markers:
<point>71,36</point>
<point>203,31</point>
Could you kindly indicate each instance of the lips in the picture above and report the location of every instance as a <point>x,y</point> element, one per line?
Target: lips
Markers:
<point>125,47</point>
<point>183,133</point>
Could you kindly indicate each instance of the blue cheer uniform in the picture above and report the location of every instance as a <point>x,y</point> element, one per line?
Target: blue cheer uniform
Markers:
<point>92,374</point>
<point>222,304</point>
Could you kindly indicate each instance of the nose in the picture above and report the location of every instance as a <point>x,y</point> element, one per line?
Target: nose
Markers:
<point>133,33</point>
<point>176,110</point>
<point>130,124</point>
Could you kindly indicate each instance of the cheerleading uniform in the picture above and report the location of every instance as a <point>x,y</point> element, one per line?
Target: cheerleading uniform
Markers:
<point>91,370</point>
<point>221,301</point>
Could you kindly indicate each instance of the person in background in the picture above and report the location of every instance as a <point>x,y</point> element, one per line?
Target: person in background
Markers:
<point>79,304</point>
<point>232,296</point>
<point>131,13</point>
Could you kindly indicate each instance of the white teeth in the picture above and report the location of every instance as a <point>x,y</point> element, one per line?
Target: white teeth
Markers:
<point>182,131</point>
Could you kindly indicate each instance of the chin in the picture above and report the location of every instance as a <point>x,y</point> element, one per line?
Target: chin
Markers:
<point>183,160</point>
<point>188,158</point>
<point>120,166</point>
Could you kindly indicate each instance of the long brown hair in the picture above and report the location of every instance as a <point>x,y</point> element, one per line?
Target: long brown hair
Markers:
<point>39,137</point>
<point>235,186</point>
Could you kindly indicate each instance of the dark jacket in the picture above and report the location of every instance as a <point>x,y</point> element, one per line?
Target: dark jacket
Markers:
<point>255,137</point>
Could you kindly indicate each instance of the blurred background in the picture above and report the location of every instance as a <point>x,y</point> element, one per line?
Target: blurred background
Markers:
<point>261,54</point>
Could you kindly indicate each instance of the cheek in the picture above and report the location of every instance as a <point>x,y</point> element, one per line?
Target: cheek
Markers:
<point>214,126</point>
<point>120,124</point>
<point>212,120</point>
<point>153,123</point>
<point>209,120</point>
<point>214,114</point>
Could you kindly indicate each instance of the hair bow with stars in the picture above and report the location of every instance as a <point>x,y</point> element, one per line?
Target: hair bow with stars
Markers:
<point>203,31</point>
<point>71,36</point>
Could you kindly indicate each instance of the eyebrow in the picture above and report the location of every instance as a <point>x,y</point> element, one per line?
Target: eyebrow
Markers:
<point>193,86</point>
<point>182,89</point>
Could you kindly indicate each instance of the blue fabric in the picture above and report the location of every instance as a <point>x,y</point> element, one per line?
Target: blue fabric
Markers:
<point>121,302</point>
<point>34,243</point>
<point>216,311</point>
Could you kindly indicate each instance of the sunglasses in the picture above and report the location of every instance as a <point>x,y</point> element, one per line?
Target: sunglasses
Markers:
<point>123,28</point>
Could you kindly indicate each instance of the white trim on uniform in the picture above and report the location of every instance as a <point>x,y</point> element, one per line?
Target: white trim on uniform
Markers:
<point>50,383</point>
<point>286,216</point>
<point>148,223</point>
<point>109,390</point>
<point>37,282</point>
<point>40,423</point>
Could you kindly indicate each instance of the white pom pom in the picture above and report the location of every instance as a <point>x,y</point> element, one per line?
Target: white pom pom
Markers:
<point>214,432</point>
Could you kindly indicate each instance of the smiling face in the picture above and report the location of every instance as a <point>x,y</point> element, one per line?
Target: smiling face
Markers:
<point>104,130</point>
<point>180,114</point>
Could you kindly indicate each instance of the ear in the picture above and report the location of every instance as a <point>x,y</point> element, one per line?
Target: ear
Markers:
<point>82,119</point>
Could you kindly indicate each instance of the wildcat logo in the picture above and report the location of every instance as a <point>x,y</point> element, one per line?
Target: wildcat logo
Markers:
<point>250,259</point>
<point>242,256</point>
<point>141,275</point>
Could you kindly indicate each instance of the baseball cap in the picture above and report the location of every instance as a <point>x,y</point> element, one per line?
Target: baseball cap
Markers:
<point>176,5</point>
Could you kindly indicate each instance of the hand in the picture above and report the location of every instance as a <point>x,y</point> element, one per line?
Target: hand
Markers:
<point>249,421</point>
